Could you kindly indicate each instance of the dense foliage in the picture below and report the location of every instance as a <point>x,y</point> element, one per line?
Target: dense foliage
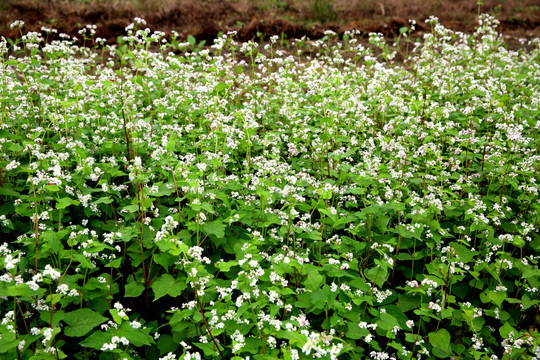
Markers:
<point>302,199</point>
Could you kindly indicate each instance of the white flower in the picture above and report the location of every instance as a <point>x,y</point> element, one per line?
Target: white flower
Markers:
<point>169,356</point>
<point>13,165</point>
<point>107,346</point>
<point>16,23</point>
<point>49,271</point>
<point>435,307</point>
<point>62,289</point>
<point>33,285</point>
<point>10,261</point>
<point>306,349</point>
<point>410,324</point>
<point>201,166</point>
<point>135,324</point>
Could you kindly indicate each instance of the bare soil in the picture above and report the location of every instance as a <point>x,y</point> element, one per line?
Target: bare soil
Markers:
<point>204,19</point>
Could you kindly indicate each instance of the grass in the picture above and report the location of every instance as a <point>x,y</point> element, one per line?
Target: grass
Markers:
<point>163,200</point>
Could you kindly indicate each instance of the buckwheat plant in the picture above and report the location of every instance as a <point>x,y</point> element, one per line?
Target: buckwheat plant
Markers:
<point>161,199</point>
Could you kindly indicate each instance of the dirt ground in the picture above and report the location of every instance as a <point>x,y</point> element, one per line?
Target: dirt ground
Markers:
<point>204,19</point>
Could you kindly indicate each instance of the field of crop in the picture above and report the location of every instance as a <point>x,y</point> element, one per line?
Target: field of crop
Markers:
<point>298,199</point>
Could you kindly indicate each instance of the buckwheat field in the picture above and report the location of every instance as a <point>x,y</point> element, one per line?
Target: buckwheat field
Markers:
<point>298,199</point>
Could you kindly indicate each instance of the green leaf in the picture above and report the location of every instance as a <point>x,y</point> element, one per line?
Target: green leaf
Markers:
<point>478,324</point>
<point>441,340</point>
<point>117,319</point>
<point>50,356</point>
<point>208,349</point>
<point>387,321</point>
<point>319,297</point>
<point>167,285</point>
<point>164,190</point>
<point>82,321</point>
<point>97,339</point>
<point>527,302</point>
<point>410,337</point>
<point>304,300</point>
<point>45,316</point>
<point>8,341</point>
<point>53,238</point>
<point>497,297</point>
<point>408,302</point>
<point>293,337</point>
<point>19,290</point>
<point>465,254</point>
<point>406,234</point>
<point>65,202</point>
<point>382,223</point>
<point>460,289</point>
<point>355,332</point>
<point>216,228</point>
<point>103,200</point>
<point>225,266</point>
<point>9,192</point>
<point>208,207</point>
<point>162,258</point>
<point>136,337</point>
<point>252,345</point>
<point>506,329</point>
<point>180,320</point>
<point>166,344</point>
<point>53,298</point>
<point>191,40</point>
<point>314,280</point>
<point>311,235</point>
<point>377,275</point>
<point>264,357</point>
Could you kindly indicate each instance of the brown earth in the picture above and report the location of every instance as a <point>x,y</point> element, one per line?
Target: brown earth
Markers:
<point>204,19</point>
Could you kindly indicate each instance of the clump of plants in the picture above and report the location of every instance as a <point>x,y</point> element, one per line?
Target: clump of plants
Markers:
<point>164,200</point>
<point>322,10</point>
